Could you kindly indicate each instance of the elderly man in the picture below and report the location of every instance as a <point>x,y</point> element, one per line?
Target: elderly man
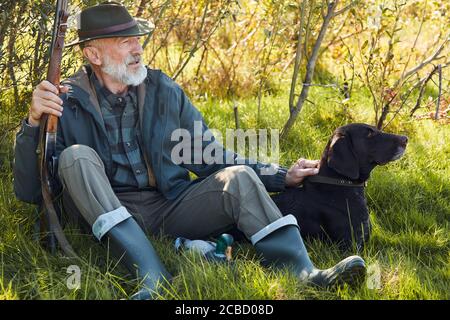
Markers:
<point>115,167</point>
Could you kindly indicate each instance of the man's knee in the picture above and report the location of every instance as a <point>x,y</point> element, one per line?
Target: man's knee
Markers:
<point>242,175</point>
<point>77,152</point>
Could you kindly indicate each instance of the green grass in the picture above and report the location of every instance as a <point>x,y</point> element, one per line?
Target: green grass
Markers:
<point>409,203</point>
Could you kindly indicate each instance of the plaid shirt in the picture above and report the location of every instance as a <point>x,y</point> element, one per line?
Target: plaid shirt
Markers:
<point>121,116</point>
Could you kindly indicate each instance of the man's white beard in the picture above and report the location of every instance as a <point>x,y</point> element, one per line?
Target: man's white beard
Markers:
<point>119,71</point>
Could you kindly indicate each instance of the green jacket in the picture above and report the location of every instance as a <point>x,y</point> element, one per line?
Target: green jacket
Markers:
<point>163,107</point>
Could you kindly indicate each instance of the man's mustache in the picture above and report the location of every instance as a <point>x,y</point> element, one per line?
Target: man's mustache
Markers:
<point>130,59</point>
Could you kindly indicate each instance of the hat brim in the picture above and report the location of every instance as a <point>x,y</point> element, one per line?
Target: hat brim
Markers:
<point>142,27</point>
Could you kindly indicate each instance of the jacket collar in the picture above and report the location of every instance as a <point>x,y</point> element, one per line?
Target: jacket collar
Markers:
<point>82,89</point>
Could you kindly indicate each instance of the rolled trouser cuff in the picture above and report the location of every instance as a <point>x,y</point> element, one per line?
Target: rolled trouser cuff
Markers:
<point>277,224</point>
<point>109,220</point>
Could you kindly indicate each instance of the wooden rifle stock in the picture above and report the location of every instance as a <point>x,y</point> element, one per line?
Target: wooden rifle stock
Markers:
<point>49,128</point>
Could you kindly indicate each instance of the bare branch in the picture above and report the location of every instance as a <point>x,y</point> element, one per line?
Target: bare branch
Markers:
<point>195,46</point>
<point>161,12</point>
<point>298,57</point>
<point>416,39</point>
<point>310,69</point>
<point>141,8</point>
<point>430,59</point>
<point>347,7</point>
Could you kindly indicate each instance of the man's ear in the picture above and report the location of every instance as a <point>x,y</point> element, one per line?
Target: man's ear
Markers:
<point>92,54</point>
<point>341,157</point>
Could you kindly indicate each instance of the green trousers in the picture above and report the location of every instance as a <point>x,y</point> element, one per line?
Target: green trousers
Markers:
<point>231,197</point>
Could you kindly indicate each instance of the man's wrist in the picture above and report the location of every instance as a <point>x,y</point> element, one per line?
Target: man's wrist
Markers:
<point>29,130</point>
<point>31,122</point>
<point>288,180</point>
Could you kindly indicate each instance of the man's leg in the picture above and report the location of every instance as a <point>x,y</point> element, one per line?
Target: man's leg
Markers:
<point>236,196</point>
<point>232,196</point>
<point>82,174</point>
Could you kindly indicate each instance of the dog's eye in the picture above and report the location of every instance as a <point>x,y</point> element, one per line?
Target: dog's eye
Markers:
<point>371,134</point>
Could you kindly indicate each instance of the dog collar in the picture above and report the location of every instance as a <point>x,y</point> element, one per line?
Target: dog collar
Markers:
<point>335,181</point>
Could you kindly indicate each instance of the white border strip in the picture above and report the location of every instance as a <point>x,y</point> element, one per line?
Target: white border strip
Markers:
<point>287,220</point>
<point>109,220</point>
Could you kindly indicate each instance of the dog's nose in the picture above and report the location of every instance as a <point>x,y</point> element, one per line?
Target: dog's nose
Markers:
<point>403,140</point>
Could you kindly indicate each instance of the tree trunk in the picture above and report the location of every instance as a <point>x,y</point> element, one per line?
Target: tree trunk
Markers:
<point>309,70</point>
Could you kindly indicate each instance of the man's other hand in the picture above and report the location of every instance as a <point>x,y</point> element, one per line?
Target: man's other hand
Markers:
<point>301,169</point>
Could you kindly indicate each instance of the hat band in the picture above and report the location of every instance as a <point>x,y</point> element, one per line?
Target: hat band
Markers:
<point>104,31</point>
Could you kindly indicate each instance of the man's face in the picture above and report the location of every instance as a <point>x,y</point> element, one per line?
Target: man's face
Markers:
<point>121,59</point>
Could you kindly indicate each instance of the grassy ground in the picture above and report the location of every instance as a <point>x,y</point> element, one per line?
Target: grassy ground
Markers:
<point>409,203</point>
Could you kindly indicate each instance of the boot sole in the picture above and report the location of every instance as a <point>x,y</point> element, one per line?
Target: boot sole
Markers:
<point>350,271</point>
<point>353,275</point>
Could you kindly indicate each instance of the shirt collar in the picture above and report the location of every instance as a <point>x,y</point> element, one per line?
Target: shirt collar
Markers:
<point>111,99</point>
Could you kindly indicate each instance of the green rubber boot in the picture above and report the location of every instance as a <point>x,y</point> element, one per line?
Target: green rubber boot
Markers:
<point>281,245</point>
<point>129,243</point>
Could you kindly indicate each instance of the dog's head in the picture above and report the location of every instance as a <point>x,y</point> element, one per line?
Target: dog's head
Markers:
<point>355,149</point>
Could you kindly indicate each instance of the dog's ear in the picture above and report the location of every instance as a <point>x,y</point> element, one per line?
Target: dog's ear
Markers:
<point>342,158</point>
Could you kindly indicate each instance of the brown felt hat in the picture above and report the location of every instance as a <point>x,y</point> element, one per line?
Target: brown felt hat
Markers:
<point>109,20</point>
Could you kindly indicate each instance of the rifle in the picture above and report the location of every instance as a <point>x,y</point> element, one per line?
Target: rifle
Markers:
<point>48,131</point>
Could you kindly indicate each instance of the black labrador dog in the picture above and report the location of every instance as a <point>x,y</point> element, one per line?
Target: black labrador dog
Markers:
<point>332,205</point>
